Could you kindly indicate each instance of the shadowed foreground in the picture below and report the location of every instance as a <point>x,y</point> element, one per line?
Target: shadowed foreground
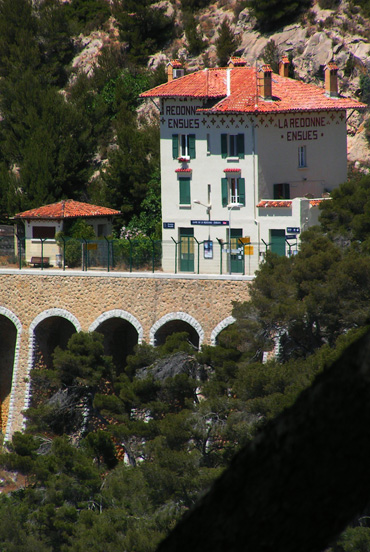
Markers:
<point>301,481</point>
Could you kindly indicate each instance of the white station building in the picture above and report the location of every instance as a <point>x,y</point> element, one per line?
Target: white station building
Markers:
<point>247,156</point>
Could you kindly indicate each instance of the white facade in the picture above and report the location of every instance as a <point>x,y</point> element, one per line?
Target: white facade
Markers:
<point>246,159</point>
<point>286,156</point>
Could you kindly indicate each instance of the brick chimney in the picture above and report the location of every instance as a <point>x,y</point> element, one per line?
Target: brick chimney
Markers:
<point>284,66</point>
<point>331,80</point>
<point>174,70</point>
<point>236,62</point>
<point>265,82</point>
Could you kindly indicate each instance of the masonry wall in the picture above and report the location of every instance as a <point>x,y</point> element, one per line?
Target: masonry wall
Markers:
<point>146,301</point>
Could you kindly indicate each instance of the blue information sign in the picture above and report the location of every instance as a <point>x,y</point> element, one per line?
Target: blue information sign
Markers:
<point>293,230</point>
<point>209,222</point>
<point>168,225</point>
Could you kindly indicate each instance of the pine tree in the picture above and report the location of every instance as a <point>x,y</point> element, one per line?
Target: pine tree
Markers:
<point>226,43</point>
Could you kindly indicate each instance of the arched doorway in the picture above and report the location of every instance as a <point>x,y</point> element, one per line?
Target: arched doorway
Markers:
<point>121,331</point>
<point>173,323</point>
<point>50,329</point>
<point>8,342</point>
<point>220,327</point>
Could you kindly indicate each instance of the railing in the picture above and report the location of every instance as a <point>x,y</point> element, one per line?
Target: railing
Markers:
<point>141,255</point>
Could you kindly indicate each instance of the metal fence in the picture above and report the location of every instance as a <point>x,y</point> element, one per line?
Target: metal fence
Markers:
<point>188,255</point>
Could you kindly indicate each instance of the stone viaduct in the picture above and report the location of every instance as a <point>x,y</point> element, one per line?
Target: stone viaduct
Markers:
<point>40,310</point>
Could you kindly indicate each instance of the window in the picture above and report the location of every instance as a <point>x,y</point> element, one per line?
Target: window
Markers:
<point>232,191</point>
<point>183,145</point>
<point>282,191</point>
<point>101,230</point>
<point>232,145</point>
<point>184,188</point>
<point>302,157</point>
<point>43,232</point>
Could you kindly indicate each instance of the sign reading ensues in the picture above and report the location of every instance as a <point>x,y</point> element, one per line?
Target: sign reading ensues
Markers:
<point>303,127</point>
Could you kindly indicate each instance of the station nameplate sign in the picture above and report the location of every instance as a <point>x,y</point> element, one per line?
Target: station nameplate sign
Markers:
<point>209,222</point>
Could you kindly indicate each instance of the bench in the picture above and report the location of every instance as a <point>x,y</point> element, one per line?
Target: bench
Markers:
<point>39,261</point>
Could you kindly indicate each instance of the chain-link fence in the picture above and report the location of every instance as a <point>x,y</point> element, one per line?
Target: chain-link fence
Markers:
<point>188,255</point>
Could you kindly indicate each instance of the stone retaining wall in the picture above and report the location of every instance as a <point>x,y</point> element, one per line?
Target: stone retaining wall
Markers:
<point>146,301</point>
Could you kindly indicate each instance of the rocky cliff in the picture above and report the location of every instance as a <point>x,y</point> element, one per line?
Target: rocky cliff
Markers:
<point>320,36</point>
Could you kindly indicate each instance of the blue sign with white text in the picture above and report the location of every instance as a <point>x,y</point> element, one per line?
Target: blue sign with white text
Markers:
<point>168,225</point>
<point>209,222</point>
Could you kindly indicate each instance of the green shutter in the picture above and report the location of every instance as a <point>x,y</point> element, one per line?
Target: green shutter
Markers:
<point>241,187</point>
<point>184,191</point>
<point>224,146</point>
<point>240,145</point>
<point>192,146</point>
<point>175,146</point>
<point>224,191</point>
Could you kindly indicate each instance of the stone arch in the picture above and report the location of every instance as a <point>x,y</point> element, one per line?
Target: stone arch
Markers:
<point>43,316</point>
<point>121,331</point>
<point>7,394</point>
<point>176,317</point>
<point>221,326</point>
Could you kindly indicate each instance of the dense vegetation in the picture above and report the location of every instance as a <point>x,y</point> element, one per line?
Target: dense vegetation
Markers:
<point>176,433</point>
<point>51,142</point>
<point>177,416</point>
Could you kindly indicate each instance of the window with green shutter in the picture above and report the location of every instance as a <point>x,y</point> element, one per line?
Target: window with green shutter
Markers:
<point>183,145</point>
<point>184,187</point>
<point>232,145</point>
<point>240,145</point>
<point>224,191</point>
<point>224,148</point>
<point>232,191</point>
<point>191,146</point>
<point>241,186</point>
<point>175,146</point>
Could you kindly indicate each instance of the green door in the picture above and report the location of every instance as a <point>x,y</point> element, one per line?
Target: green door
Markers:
<point>277,241</point>
<point>186,249</point>
<point>237,251</point>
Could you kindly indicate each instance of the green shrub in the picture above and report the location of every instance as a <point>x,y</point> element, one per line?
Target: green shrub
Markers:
<point>194,38</point>
<point>87,15</point>
<point>226,43</point>
<point>365,87</point>
<point>274,14</point>
<point>191,5</point>
<point>73,253</point>
<point>328,4</point>
<point>271,56</point>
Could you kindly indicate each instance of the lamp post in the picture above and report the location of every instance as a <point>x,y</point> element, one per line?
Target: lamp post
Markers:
<point>208,211</point>
<point>231,206</point>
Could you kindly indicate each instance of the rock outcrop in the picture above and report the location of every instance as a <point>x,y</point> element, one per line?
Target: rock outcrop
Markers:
<point>341,34</point>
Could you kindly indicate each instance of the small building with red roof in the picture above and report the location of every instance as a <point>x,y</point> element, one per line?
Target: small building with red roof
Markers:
<point>246,153</point>
<point>43,223</point>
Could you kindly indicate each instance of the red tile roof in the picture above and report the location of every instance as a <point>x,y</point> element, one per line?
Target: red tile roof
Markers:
<point>67,209</point>
<point>289,95</point>
<point>274,203</point>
